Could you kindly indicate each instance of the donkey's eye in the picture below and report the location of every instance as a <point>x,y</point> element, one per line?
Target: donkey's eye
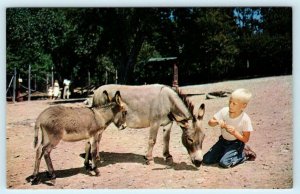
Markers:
<point>190,140</point>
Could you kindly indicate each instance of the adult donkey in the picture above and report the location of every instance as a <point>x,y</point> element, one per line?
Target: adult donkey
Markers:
<point>73,124</point>
<point>158,105</point>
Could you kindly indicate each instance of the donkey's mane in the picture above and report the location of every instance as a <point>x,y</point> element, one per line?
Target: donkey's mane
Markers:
<point>105,106</point>
<point>185,100</point>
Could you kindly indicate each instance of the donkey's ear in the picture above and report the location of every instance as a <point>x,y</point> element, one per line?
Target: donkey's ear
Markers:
<point>106,97</point>
<point>118,98</point>
<point>201,111</point>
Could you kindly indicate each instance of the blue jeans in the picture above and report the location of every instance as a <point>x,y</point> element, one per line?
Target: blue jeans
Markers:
<point>226,153</point>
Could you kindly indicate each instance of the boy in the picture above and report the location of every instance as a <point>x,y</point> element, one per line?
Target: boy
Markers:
<point>235,127</point>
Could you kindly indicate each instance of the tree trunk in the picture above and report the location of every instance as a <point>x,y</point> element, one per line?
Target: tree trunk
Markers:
<point>126,69</point>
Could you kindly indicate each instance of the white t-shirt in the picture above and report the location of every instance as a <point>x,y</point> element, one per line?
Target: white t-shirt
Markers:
<point>67,82</point>
<point>240,123</point>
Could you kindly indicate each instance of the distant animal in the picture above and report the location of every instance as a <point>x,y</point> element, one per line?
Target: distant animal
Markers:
<point>159,105</point>
<point>73,124</point>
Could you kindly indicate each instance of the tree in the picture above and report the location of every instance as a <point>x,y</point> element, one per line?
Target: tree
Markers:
<point>207,35</point>
<point>210,43</point>
<point>33,36</point>
<point>264,40</point>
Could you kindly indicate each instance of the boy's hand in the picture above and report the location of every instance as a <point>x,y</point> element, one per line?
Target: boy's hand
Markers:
<point>222,124</point>
<point>230,129</point>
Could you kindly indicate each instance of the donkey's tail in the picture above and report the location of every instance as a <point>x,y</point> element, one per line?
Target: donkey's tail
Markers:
<point>36,134</point>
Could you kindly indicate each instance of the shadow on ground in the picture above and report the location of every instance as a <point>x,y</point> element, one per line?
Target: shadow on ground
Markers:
<point>108,158</point>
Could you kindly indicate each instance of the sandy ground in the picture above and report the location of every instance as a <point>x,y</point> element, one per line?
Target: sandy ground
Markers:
<point>122,165</point>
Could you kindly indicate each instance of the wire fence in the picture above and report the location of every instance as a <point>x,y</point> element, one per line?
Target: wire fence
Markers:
<point>24,86</point>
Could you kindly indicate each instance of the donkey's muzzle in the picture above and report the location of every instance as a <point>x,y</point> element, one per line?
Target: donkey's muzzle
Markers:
<point>197,163</point>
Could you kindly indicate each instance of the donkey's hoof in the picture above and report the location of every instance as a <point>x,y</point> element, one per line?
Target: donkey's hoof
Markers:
<point>169,160</point>
<point>98,158</point>
<point>88,167</point>
<point>35,181</point>
<point>30,178</point>
<point>51,175</point>
<point>53,181</point>
<point>149,162</point>
<point>97,172</point>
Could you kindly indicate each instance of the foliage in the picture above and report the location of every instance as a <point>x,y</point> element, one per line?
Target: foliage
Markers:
<point>211,43</point>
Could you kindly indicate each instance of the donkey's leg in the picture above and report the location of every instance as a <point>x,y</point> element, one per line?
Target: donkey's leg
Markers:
<point>151,142</point>
<point>93,141</point>
<point>48,148</point>
<point>166,137</point>
<point>88,150</point>
<point>39,153</point>
<point>97,146</point>
<point>87,156</point>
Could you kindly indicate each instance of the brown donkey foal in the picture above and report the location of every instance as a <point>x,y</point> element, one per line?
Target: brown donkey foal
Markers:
<point>73,124</point>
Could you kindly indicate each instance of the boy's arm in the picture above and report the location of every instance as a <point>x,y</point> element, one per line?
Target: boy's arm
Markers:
<point>214,122</point>
<point>242,137</point>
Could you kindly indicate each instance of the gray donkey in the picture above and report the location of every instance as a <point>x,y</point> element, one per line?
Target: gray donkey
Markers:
<point>73,124</point>
<point>159,105</point>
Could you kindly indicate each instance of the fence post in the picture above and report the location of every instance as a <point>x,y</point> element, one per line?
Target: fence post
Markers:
<point>35,82</point>
<point>47,83</point>
<point>106,77</point>
<point>14,85</point>
<point>89,78</point>
<point>52,78</point>
<point>175,76</point>
<point>29,88</point>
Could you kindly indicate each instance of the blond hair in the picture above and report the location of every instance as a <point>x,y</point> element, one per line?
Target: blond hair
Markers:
<point>241,94</point>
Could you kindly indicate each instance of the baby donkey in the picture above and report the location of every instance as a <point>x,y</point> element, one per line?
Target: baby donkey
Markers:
<point>73,124</point>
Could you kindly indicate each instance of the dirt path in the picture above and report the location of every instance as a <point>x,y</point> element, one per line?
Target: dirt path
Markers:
<point>122,151</point>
